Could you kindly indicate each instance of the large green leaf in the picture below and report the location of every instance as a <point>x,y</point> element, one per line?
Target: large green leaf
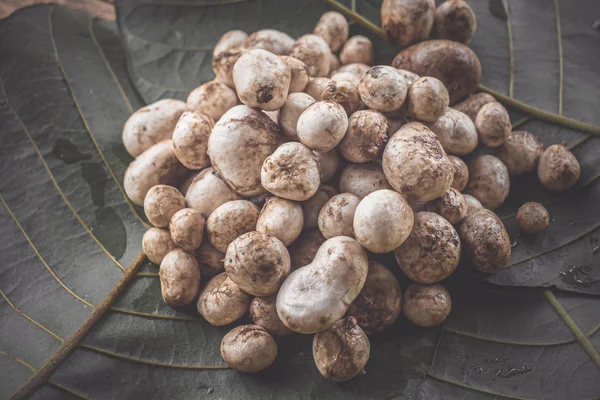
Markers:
<point>67,230</point>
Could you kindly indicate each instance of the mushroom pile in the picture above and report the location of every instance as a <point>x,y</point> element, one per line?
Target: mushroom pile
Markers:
<point>273,187</point>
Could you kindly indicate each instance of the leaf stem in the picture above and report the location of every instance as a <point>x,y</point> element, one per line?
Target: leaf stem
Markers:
<point>581,337</point>
<point>541,114</point>
<point>70,344</point>
<point>507,101</point>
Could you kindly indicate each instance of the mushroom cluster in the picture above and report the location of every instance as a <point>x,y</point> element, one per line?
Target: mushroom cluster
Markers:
<point>275,186</point>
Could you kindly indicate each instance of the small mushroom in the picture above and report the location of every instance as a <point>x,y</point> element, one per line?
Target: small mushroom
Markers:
<point>362,179</point>
<point>314,51</point>
<point>488,181</point>
<point>322,125</point>
<point>342,351</point>
<point>365,138</point>
<point>271,40</point>
<point>456,132</point>
<point>315,86</point>
<point>187,228</point>
<point>333,28</point>
<point>222,302</point>
<point>291,172</point>
<point>179,278</point>
<point>258,263</point>
<point>299,74</point>
<point>558,169</point>
<point>248,348</point>
<point>229,221</point>
<point>291,110</point>
<point>156,244</point>
<point>426,305</point>
<point>190,139</point>
<point>337,215</point>
<point>230,40</point>
<point>262,80</point>
<point>344,93</point>
<point>383,88</point>
<point>427,99</point>
<point>454,20</point>
<point>213,98</point>
<point>281,218</point>
<point>432,251</point>
<point>357,49</point>
<point>493,124</point>
<point>450,205</point>
<point>487,252</point>
<point>312,207</point>
<point>161,203</point>
<point>520,153</point>
<point>533,217</point>
<point>382,221</point>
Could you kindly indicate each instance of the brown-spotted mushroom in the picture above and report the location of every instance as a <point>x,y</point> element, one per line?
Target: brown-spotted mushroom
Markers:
<point>299,74</point>
<point>151,124</point>
<point>314,51</point>
<point>315,296</point>
<point>262,80</point>
<point>533,217</point>
<point>190,139</point>
<point>407,21</point>
<point>337,215</point>
<point>489,181</point>
<point>229,221</point>
<point>322,125</point>
<point>383,88</point>
<point>212,98</point>
<point>362,179</point>
<point>222,302</point>
<point>342,351</point>
<point>271,40</point>
<point>493,124</point>
<point>161,203</point>
<point>258,263</point>
<point>485,241</point>
<point>238,145</point>
<point>415,163</point>
<point>333,28</point>
<point>365,138</point>
<point>432,251</point>
<point>291,172</point>
<point>207,191</point>
<point>451,205</point>
<point>156,244</point>
<point>426,305</point>
<point>357,50</point>
<point>187,228</point>
<point>456,132</point>
<point>179,278</point>
<point>248,348</point>
<point>281,218</point>
<point>520,153</point>
<point>558,169</point>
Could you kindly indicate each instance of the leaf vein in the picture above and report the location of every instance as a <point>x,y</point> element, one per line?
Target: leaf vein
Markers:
<point>85,123</point>
<point>53,179</point>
